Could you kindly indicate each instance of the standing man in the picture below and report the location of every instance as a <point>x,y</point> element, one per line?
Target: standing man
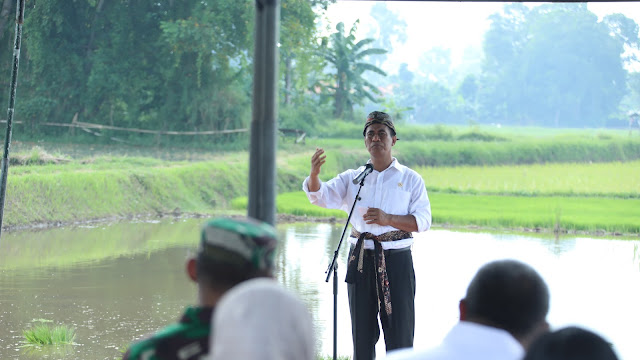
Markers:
<point>230,252</point>
<point>393,204</point>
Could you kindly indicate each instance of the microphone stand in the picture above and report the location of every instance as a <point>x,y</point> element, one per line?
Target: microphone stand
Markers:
<point>333,268</point>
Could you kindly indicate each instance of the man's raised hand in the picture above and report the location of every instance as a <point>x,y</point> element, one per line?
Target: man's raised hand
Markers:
<point>317,160</point>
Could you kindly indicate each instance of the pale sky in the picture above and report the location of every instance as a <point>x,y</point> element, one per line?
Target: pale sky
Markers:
<point>454,25</point>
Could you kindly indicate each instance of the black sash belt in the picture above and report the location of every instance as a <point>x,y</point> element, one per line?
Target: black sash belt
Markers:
<point>355,268</point>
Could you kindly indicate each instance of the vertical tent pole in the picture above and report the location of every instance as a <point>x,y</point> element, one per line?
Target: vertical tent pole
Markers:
<point>262,159</point>
<point>12,101</point>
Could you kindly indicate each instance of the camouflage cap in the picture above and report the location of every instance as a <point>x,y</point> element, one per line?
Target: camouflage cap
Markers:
<point>379,117</point>
<point>238,242</point>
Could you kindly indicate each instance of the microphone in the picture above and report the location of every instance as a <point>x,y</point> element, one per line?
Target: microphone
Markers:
<point>368,168</point>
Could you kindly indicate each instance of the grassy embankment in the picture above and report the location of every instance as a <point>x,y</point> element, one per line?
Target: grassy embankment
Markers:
<point>120,187</point>
<point>490,179</point>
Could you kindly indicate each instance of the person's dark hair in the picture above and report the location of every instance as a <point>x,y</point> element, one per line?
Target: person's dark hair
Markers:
<point>509,295</point>
<point>223,275</point>
<point>571,343</point>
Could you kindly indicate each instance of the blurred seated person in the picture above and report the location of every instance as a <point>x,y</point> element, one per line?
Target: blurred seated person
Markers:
<point>571,343</point>
<point>505,308</point>
<point>230,251</point>
<point>259,319</point>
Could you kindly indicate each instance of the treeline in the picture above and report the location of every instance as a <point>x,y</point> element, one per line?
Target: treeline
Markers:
<point>163,65</point>
<point>186,65</point>
<point>555,64</point>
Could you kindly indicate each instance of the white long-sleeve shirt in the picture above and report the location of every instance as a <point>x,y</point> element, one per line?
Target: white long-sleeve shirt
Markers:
<point>468,340</point>
<point>397,190</point>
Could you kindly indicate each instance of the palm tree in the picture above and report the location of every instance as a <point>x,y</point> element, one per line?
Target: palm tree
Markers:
<point>348,86</point>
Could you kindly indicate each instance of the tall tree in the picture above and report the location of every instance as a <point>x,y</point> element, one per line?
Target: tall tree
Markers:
<point>631,101</point>
<point>7,29</point>
<point>298,46</point>
<point>555,64</point>
<point>166,64</point>
<point>405,75</point>
<point>431,103</point>
<point>158,65</point>
<point>435,64</point>
<point>392,29</point>
<point>207,78</point>
<point>503,43</point>
<point>348,58</point>
<point>625,30</point>
<point>4,17</point>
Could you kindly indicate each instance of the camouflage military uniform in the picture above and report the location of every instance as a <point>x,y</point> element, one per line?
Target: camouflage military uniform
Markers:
<point>185,340</point>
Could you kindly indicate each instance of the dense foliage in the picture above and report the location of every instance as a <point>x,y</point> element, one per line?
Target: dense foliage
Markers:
<point>163,65</point>
<point>545,65</point>
<point>555,65</point>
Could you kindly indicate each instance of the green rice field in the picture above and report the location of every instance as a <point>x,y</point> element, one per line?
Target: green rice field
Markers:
<point>595,198</point>
<point>615,179</point>
<point>558,213</point>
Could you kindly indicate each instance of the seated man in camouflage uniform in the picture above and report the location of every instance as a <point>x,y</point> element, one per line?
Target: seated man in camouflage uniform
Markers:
<point>230,252</point>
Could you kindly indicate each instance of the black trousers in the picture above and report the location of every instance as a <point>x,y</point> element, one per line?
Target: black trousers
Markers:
<point>363,305</point>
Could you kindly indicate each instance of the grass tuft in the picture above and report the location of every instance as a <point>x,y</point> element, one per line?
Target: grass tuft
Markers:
<point>43,334</point>
<point>37,156</point>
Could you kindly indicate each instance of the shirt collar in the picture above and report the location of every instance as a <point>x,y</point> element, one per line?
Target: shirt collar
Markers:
<point>466,333</point>
<point>394,164</point>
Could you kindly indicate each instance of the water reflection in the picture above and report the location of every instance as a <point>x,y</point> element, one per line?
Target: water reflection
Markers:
<point>115,283</point>
<point>46,352</point>
<point>83,246</point>
<point>559,246</point>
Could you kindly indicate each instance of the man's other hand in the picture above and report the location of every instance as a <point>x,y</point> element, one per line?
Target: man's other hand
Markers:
<point>377,216</point>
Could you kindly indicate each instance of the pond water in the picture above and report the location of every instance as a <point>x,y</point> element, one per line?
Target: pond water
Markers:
<point>116,283</point>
